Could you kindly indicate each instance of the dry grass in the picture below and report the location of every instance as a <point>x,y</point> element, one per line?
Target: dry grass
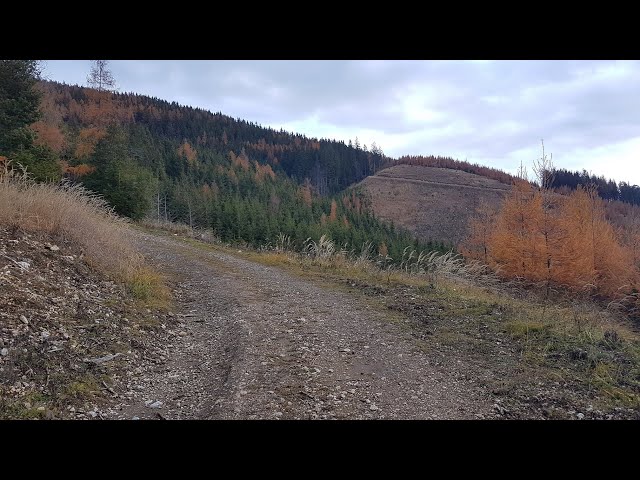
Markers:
<point>589,338</point>
<point>69,213</point>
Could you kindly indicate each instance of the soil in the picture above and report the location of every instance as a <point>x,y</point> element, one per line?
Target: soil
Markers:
<point>433,203</point>
<point>260,343</point>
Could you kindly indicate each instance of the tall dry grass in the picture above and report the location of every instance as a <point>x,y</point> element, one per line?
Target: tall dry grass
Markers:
<point>68,212</point>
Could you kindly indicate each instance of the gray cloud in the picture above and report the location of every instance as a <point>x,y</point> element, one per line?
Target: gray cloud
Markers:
<point>491,110</point>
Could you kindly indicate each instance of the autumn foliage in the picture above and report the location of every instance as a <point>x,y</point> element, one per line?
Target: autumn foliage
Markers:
<point>187,151</point>
<point>447,162</point>
<point>541,236</point>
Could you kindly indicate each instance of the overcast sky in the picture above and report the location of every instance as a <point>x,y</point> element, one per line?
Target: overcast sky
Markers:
<point>491,112</point>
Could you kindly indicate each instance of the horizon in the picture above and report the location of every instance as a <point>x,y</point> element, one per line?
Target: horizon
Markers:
<point>415,121</point>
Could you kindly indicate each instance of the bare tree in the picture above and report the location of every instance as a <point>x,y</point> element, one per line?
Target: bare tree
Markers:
<point>100,77</point>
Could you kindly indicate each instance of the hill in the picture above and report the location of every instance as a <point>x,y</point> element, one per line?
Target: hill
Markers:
<point>250,184</point>
<point>433,203</point>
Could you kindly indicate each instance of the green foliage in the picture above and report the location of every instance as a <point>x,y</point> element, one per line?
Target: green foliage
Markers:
<point>39,162</point>
<point>19,108</point>
<point>18,103</point>
<point>248,183</point>
<point>125,184</point>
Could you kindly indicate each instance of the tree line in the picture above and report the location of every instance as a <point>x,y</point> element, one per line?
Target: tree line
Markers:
<point>607,189</point>
<point>153,158</point>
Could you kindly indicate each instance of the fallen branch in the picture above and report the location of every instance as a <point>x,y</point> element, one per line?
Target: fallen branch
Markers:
<point>109,389</point>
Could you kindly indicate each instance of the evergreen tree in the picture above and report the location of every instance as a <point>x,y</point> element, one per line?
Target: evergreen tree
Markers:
<point>19,108</point>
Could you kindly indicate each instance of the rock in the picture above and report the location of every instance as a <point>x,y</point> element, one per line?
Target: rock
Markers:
<point>53,248</point>
<point>135,418</point>
<point>4,352</point>
<point>373,408</point>
<point>277,414</point>
<point>580,416</point>
<point>23,265</point>
<point>24,320</point>
<point>156,404</point>
<point>345,350</point>
<point>182,333</point>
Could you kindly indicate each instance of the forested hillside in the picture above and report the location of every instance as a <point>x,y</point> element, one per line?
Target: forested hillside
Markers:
<point>173,138</point>
<point>149,157</point>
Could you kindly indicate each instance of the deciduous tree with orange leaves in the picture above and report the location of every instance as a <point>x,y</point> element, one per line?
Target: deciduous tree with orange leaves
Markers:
<point>542,236</point>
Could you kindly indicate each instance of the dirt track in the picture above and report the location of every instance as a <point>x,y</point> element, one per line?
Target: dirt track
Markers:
<point>260,343</point>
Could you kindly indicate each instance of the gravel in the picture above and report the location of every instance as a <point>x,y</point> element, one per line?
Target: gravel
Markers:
<point>256,342</point>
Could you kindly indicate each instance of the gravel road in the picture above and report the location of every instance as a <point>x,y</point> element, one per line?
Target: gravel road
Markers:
<point>257,342</point>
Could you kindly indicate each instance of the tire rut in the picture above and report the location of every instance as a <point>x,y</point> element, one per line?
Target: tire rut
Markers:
<point>260,343</point>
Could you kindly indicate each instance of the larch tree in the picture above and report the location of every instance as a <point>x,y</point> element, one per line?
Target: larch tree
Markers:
<point>599,262</point>
<point>512,243</point>
<point>481,227</point>
<point>547,226</point>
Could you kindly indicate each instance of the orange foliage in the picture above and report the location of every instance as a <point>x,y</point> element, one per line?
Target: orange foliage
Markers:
<point>87,140</point>
<point>263,171</point>
<point>99,108</point>
<point>49,135</point>
<point>305,193</point>
<point>446,162</point>
<point>241,160</point>
<point>565,240</point>
<point>78,171</point>
<point>345,221</point>
<point>352,202</point>
<point>187,151</point>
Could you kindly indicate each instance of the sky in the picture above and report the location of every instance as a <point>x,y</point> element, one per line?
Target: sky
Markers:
<point>494,113</point>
